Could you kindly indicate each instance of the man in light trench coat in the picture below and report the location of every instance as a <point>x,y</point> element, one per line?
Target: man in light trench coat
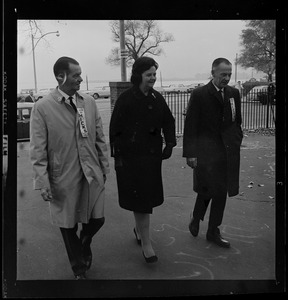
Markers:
<point>70,162</point>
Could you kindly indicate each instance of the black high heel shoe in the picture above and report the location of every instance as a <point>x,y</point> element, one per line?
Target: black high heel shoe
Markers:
<point>151,259</point>
<point>137,239</point>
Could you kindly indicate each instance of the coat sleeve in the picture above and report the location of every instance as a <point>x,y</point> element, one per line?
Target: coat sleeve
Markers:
<point>238,108</point>
<point>38,149</point>
<point>115,124</point>
<point>101,145</point>
<point>169,126</point>
<point>191,126</point>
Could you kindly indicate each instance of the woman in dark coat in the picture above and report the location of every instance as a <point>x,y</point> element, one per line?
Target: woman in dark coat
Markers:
<point>138,123</point>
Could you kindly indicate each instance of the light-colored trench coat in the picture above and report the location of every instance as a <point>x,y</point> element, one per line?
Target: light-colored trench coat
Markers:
<point>70,165</point>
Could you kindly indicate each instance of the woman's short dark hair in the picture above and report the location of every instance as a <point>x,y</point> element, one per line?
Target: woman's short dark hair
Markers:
<point>141,65</point>
<point>62,65</point>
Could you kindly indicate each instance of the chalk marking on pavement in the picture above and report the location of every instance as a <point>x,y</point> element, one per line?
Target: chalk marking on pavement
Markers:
<point>172,242</point>
<point>197,273</point>
<point>206,259</point>
<point>240,237</point>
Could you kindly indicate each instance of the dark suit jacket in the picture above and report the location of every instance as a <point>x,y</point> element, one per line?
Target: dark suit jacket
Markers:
<point>214,136</point>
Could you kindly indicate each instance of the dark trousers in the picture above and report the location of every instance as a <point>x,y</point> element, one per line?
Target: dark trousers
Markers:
<point>216,211</point>
<point>73,243</point>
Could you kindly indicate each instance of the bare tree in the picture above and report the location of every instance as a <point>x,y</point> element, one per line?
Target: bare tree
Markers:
<point>142,37</point>
<point>259,46</point>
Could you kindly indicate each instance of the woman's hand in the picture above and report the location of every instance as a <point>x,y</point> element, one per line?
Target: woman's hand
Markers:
<point>191,162</point>
<point>167,152</point>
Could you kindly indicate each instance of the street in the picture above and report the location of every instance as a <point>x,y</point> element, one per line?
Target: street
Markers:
<point>249,224</point>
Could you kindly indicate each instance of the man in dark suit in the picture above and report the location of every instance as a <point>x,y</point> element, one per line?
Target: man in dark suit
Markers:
<point>211,145</point>
<point>30,97</point>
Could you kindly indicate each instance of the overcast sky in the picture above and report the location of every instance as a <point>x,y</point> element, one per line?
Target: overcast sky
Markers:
<point>196,45</point>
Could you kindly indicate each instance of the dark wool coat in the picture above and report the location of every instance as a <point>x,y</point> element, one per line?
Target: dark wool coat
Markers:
<point>137,125</point>
<point>214,139</point>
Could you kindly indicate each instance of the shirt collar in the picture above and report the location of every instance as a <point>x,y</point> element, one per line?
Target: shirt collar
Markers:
<point>216,87</point>
<point>65,95</point>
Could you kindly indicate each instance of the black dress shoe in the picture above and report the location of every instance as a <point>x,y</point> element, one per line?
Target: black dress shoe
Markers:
<point>137,239</point>
<point>216,238</point>
<point>86,250</point>
<point>151,259</point>
<point>194,226</point>
<point>80,276</point>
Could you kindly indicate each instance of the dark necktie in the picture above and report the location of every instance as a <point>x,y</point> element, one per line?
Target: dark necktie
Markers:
<point>222,93</point>
<point>72,103</point>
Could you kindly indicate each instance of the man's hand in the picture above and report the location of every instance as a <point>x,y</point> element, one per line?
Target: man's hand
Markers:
<point>46,194</point>
<point>192,162</point>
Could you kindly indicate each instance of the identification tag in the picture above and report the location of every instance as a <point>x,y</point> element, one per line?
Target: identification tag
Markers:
<point>82,122</point>
<point>233,109</point>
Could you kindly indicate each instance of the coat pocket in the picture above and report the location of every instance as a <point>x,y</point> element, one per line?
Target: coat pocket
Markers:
<point>55,167</point>
<point>233,136</point>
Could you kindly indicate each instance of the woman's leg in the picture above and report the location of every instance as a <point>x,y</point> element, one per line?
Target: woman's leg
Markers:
<point>142,221</point>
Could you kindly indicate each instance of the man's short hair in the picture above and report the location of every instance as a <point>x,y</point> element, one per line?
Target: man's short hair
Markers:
<point>220,60</point>
<point>62,65</point>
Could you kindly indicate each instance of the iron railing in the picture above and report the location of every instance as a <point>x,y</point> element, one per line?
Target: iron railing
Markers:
<point>257,107</point>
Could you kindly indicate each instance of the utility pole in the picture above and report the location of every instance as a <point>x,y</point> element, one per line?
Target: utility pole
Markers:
<point>236,68</point>
<point>87,82</point>
<point>33,52</point>
<point>123,52</point>
<point>34,64</point>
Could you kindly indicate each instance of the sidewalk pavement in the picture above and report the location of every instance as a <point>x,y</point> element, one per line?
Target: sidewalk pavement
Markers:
<point>249,224</point>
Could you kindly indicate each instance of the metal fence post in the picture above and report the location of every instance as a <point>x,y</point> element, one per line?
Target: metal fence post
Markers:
<point>268,101</point>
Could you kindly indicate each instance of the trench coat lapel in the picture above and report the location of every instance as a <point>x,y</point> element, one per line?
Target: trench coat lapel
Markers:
<point>214,92</point>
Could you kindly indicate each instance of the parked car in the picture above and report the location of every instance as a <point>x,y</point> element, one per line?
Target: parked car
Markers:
<point>23,120</point>
<point>260,93</point>
<point>255,92</point>
<point>271,92</point>
<point>159,89</point>
<point>193,86</point>
<point>27,91</point>
<point>21,97</point>
<point>42,92</point>
<point>175,88</point>
<point>101,92</point>
<point>24,98</point>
